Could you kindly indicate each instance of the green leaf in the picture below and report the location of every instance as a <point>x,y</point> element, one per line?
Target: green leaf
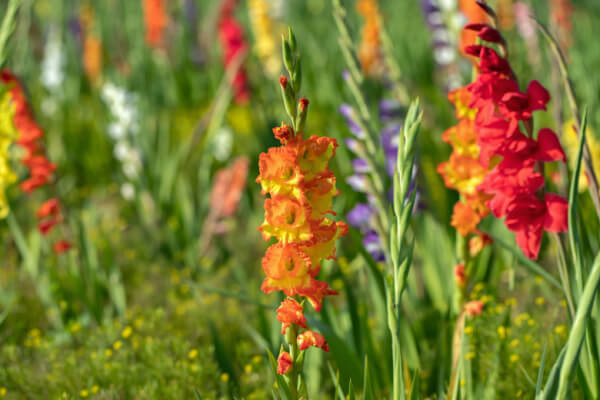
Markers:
<point>574,241</point>
<point>530,265</point>
<point>367,388</point>
<point>335,377</point>
<point>540,377</point>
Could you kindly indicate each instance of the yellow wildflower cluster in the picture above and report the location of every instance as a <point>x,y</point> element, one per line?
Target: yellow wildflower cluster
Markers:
<point>266,33</point>
<point>8,134</point>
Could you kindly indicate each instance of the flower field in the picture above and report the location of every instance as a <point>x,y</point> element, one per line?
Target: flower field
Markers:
<point>286,199</point>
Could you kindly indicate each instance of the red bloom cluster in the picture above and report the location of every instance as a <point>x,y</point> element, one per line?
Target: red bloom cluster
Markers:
<point>516,180</point>
<point>40,168</point>
<point>233,42</point>
<point>156,20</point>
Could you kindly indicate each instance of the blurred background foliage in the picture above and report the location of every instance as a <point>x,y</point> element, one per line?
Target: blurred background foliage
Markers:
<point>154,302</point>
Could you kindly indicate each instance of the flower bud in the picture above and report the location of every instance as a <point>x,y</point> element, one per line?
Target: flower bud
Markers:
<point>288,97</point>
<point>302,112</point>
<point>288,58</point>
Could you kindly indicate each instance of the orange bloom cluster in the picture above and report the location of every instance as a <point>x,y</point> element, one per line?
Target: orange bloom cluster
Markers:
<point>464,172</point>
<point>40,168</point>
<point>229,183</point>
<point>92,46</point>
<point>561,12</point>
<point>301,189</point>
<point>369,51</point>
<point>156,19</point>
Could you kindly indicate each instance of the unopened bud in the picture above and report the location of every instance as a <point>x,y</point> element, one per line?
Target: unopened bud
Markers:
<point>283,81</point>
<point>288,58</point>
<point>292,39</point>
<point>302,112</point>
<point>297,76</point>
<point>460,275</point>
<point>283,133</point>
<point>289,99</point>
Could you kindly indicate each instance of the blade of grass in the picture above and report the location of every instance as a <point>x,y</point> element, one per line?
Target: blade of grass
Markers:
<point>577,335</point>
<point>574,241</point>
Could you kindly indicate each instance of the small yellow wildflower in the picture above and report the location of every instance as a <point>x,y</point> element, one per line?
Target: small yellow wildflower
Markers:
<point>193,354</point>
<point>463,382</point>
<point>560,329</point>
<point>514,343</point>
<point>486,299</point>
<point>248,368</point>
<point>514,358</point>
<point>468,330</point>
<point>76,327</point>
<point>530,322</point>
<point>2,391</point>
<point>108,353</point>
<point>95,389</point>
<point>225,377</point>
<point>521,318</point>
<point>502,331</point>
<point>257,359</point>
<point>470,355</point>
<point>117,345</point>
<point>540,301</point>
<point>126,332</point>
<point>84,393</point>
<point>511,301</point>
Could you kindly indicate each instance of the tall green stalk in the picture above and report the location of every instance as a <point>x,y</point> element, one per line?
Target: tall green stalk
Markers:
<point>391,226</point>
<point>7,27</point>
<point>401,251</point>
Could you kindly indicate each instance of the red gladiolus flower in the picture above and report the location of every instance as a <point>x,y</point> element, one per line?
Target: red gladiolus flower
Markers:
<point>50,207</point>
<point>460,275</point>
<point>515,181</point>
<point>62,246</point>
<point>47,225</point>
<point>284,363</point>
<point>233,42</point>
<point>473,307</point>
<point>40,168</point>
<point>290,312</point>
<point>310,338</point>
<point>155,18</point>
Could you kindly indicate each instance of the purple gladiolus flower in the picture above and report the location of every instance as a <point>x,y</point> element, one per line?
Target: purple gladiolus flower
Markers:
<point>360,216</point>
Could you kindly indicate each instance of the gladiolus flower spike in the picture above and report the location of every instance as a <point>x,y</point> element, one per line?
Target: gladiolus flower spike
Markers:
<point>298,214</point>
<point>18,117</point>
<point>495,165</point>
